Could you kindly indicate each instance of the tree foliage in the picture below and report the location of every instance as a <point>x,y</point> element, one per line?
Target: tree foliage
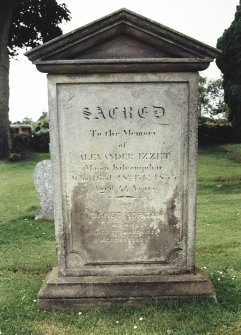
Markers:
<point>25,120</point>
<point>41,126</point>
<point>34,22</point>
<point>23,23</point>
<point>229,63</point>
<point>211,98</point>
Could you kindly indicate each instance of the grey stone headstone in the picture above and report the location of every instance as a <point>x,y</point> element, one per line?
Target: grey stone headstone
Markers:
<point>43,181</point>
<point>123,95</point>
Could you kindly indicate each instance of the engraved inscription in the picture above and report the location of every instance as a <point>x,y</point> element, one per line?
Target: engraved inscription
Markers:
<point>117,112</point>
<point>122,173</point>
<point>122,164</point>
<point>124,229</point>
<point>126,132</point>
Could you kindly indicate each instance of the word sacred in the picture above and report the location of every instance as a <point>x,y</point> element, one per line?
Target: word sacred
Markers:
<point>100,113</point>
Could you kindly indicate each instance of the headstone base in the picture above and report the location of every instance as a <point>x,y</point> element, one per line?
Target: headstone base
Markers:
<point>99,291</point>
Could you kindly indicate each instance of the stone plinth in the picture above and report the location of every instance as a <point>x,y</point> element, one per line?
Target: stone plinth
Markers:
<point>97,291</point>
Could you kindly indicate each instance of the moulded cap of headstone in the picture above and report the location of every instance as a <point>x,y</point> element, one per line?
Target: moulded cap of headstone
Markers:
<point>122,42</point>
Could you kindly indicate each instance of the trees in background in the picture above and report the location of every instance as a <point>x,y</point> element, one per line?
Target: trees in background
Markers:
<point>37,141</point>
<point>23,23</point>
<point>211,104</point>
<point>229,63</point>
<point>26,120</point>
<point>41,126</point>
<point>213,122</point>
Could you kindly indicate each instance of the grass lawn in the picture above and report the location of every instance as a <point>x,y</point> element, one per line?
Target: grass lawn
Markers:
<point>27,253</point>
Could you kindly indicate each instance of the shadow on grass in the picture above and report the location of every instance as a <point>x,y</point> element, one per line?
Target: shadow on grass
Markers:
<point>26,227</point>
<point>229,151</point>
<point>216,249</point>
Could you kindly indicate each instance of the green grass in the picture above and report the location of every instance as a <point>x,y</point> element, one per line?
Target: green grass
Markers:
<point>27,252</point>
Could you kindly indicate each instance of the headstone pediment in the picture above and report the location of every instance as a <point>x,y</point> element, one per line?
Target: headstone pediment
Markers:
<point>122,46</point>
<point>118,41</point>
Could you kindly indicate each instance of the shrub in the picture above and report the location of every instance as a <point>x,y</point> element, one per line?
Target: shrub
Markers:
<point>24,144</point>
<point>216,134</point>
<point>40,142</point>
<point>21,145</point>
<point>14,157</point>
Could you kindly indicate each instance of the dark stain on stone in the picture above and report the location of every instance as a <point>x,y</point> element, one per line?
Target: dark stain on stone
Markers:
<point>79,219</point>
<point>166,245</point>
<point>161,245</point>
<point>172,220</point>
<point>84,225</point>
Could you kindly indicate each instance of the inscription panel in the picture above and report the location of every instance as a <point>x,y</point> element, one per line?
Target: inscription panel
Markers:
<point>122,167</point>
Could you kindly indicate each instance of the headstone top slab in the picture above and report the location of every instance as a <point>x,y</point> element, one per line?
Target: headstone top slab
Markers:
<point>117,42</point>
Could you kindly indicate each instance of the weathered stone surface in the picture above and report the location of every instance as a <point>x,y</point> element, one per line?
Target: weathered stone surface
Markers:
<point>126,175</point>
<point>43,181</point>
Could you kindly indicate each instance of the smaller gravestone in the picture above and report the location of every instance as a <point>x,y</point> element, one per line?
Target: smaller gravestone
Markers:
<point>43,182</point>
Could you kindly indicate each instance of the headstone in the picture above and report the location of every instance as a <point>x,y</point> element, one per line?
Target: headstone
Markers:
<point>43,182</point>
<point>123,116</point>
